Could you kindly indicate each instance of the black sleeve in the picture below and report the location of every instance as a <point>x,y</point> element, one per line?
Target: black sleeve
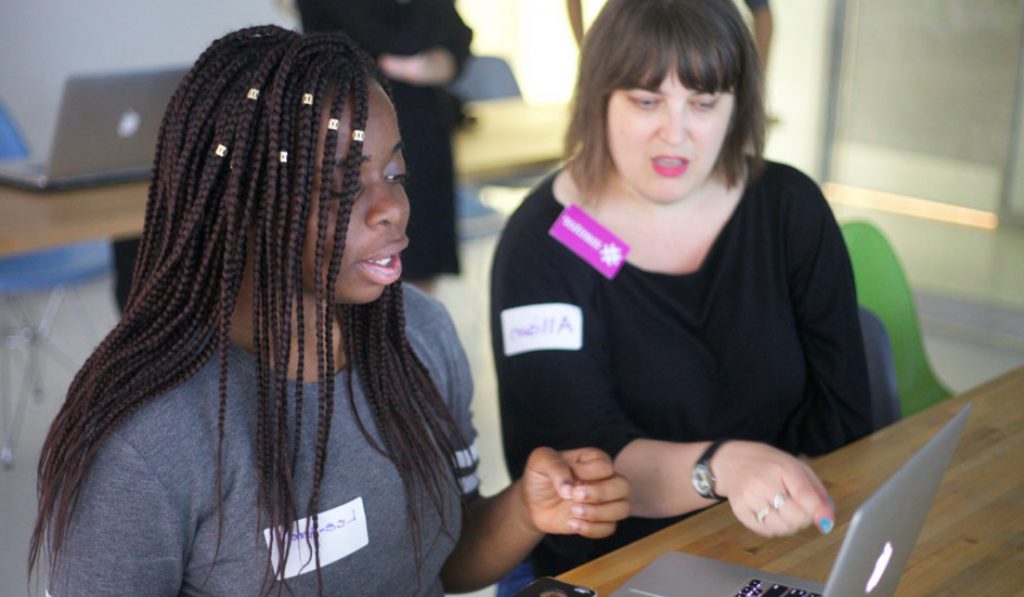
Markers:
<point>837,405</point>
<point>383,27</point>
<point>551,397</point>
<point>363,20</point>
<point>455,35</point>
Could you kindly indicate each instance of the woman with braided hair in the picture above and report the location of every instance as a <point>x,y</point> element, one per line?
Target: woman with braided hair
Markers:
<point>275,413</point>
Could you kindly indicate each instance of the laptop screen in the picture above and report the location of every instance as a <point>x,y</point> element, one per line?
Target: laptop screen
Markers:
<point>110,122</point>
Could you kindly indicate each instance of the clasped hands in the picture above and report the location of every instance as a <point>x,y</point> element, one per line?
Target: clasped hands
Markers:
<point>575,491</point>
<point>429,68</point>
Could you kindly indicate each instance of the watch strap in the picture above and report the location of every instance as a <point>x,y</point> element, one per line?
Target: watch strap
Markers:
<point>705,460</point>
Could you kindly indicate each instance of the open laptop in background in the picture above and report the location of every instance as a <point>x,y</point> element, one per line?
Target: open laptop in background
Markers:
<point>877,545</point>
<point>106,131</point>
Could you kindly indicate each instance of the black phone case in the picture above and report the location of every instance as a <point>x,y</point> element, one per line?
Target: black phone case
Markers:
<point>546,586</point>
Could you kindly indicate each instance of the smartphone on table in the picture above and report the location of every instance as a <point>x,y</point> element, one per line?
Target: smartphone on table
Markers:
<point>546,586</point>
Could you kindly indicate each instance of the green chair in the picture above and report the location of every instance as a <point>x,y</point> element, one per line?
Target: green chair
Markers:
<point>882,287</point>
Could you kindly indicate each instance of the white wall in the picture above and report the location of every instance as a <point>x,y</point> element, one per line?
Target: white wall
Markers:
<point>536,39</point>
<point>42,41</point>
<point>534,36</point>
<point>797,82</point>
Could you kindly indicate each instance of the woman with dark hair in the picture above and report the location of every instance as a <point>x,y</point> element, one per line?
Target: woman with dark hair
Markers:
<point>275,414</point>
<point>673,299</point>
<point>760,14</point>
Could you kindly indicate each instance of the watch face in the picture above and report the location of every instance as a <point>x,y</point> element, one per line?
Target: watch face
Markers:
<point>702,480</point>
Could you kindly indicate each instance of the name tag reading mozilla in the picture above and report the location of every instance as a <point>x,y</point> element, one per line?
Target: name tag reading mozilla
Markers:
<point>545,326</point>
<point>590,241</point>
<point>342,532</point>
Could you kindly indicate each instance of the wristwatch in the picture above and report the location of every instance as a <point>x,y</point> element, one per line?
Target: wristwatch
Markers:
<point>702,478</point>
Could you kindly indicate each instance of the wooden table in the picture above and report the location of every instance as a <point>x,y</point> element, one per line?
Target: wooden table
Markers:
<point>507,135</point>
<point>31,220</point>
<point>972,542</point>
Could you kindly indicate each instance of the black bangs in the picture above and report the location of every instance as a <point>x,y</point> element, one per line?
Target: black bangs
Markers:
<point>698,48</point>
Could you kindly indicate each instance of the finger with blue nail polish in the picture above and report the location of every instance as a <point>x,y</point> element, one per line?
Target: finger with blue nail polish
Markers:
<point>825,526</point>
<point>826,516</point>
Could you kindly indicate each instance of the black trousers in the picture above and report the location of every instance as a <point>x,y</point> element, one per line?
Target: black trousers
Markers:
<point>125,252</point>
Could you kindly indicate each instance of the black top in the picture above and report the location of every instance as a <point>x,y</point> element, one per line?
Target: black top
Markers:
<point>761,343</point>
<point>426,115</point>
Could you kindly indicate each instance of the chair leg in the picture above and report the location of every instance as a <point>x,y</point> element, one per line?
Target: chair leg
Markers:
<point>6,421</point>
<point>30,383</point>
<point>34,337</point>
<point>12,403</point>
<point>58,297</point>
<point>53,303</point>
<point>59,354</point>
<point>83,318</point>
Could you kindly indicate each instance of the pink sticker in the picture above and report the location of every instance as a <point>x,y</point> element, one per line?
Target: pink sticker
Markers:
<point>591,241</point>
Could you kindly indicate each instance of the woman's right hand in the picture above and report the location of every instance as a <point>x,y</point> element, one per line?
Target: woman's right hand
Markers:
<point>430,68</point>
<point>771,492</point>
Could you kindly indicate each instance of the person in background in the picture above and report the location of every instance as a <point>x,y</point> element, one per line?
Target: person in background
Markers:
<point>759,11</point>
<point>574,10</point>
<point>275,413</point>
<point>421,46</point>
<point>763,27</point>
<point>672,298</point>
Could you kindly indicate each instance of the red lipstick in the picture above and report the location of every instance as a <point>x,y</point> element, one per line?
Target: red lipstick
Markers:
<point>670,166</point>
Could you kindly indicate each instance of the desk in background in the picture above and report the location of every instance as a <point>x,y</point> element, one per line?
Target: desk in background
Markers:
<point>972,542</point>
<point>32,220</point>
<point>508,135</point>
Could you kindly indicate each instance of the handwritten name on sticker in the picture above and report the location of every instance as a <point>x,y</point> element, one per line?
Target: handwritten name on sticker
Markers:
<point>545,326</point>
<point>590,241</point>
<point>342,532</point>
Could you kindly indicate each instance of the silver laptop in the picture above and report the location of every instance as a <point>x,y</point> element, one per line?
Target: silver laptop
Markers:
<point>106,131</point>
<point>878,542</point>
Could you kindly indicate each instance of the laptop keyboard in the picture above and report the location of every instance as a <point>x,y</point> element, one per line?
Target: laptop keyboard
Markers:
<point>756,588</point>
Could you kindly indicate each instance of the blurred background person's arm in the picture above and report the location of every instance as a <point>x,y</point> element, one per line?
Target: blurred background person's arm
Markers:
<point>762,29</point>
<point>575,19</point>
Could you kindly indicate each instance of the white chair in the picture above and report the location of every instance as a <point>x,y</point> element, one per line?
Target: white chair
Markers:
<point>54,271</point>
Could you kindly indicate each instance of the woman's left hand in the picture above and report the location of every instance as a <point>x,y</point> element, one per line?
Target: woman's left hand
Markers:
<point>771,492</point>
<point>575,491</point>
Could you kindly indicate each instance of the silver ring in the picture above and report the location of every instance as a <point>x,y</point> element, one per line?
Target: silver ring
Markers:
<point>779,500</point>
<point>762,514</point>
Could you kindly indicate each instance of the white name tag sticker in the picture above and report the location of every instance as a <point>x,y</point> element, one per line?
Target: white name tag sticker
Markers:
<point>545,326</point>
<point>342,532</point>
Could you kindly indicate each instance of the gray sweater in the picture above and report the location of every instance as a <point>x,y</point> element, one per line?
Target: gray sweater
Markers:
<point>147,521</point>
